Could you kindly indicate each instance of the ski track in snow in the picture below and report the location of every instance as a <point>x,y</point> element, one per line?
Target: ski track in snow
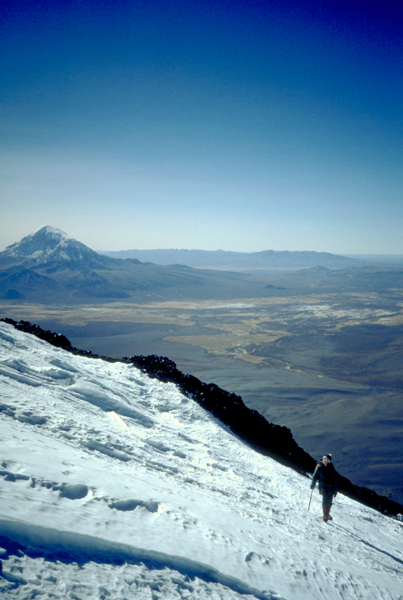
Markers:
<point>115,485</point>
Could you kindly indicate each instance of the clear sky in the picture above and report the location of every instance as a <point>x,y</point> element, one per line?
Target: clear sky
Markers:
<point>235,124</point>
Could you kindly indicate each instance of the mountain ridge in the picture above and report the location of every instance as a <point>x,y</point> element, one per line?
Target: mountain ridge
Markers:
<point>223,259</point>
<point>50,267</point>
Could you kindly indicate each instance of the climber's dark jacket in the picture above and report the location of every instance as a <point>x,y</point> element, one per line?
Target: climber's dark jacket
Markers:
<point>327,478</point>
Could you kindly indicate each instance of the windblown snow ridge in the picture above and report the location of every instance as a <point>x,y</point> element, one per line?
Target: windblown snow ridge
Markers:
<point>249,425</point>
<point>36,541</point>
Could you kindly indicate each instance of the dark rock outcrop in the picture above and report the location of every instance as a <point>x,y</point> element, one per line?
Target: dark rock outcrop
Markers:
<point>56,339</point>
<point>249,425</point>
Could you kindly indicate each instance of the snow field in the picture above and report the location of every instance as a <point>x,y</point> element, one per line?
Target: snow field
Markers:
<point>117,485</point>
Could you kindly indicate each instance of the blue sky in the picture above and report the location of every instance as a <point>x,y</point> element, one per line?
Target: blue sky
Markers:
<point>240,125</point>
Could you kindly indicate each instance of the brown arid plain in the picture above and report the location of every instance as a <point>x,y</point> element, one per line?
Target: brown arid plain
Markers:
<point>326,364</point>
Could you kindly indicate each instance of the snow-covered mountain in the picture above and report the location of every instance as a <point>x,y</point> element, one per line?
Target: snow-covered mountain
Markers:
<point>50,267</point>
<point>48,245</point>
<point>116,485</point>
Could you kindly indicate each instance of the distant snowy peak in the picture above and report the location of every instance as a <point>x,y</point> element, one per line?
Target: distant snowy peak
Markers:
<point>49,231</point>
<point>44,241</point>
<point>50,245</point>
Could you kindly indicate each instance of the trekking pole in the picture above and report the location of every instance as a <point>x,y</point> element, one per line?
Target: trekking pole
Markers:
<point>309,505</point>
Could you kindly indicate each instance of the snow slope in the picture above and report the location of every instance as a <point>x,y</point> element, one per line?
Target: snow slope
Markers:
<point>115,485</point>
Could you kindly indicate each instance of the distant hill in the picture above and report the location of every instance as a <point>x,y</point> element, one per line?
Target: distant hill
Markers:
<point>50,267</point>
<point>220,259</point>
